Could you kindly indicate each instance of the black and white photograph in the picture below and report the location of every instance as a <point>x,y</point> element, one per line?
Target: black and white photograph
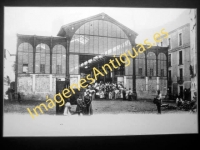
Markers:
<point>99,71</point>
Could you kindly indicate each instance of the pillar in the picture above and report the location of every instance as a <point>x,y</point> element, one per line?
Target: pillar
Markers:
<point>33,84</point>
<point>147,80</point>
<point>50,77</point>
<point>157,83</point>
<point>67,61</point>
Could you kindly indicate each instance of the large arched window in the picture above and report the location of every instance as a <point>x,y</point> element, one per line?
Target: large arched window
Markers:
<point>140,64</point>
<point>59,59</point>
<point>42,58</point>
<point>25,58</point>
<point>162,66</point>
<point>151,64</point>
<point>100,37</point>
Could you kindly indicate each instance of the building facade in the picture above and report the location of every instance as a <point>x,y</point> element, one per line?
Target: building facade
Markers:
<point>179,60</point>
<point>193,55</point>
<point>43,62</point>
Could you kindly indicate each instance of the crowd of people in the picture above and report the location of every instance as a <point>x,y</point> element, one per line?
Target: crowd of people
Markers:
<point>187,104</point>
<point>109,91</point>
<point>98,91</point>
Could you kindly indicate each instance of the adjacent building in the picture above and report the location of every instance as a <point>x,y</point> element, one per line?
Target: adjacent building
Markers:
<point>179,60</point>
<point>193,51</point>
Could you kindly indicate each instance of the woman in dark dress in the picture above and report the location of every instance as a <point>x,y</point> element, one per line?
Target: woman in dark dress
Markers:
<point>88,101</point>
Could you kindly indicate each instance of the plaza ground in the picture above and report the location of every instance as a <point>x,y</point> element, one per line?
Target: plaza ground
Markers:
<point>111,117</point>
<point>99,107</point>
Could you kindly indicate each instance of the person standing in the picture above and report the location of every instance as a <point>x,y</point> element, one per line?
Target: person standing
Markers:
<point>88,102</point>
<point>124,94</point>
<point>67,111</point>
<point>159,102</point>
<point>130,94</point>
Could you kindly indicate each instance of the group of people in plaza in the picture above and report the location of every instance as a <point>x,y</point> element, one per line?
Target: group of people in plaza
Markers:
<point>180,103</point>
<point>187,104</point>
<point>110,91</point>
<point>84,105</point>
<point>98,90</point>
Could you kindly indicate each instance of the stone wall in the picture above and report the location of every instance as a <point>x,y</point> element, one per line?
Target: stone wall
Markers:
<point>146,88</point>
<point>36,87</point>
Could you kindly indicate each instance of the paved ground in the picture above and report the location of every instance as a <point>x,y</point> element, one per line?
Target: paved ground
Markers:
<point>102,124</point>
<point>110,118</point>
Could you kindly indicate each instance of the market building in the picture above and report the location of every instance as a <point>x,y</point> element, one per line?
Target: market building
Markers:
<point>46,64</point>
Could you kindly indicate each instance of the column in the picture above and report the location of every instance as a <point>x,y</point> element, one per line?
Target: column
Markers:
<point>67,61</point>
<point>16,66</point>
<point>145,53</point>
<point>33,85</point>
<point>51,56</point>
<point>157,83</point>
<point>134,80</point>
<point>50,77</point>
<point>147,83</point>
<point>34,50</point>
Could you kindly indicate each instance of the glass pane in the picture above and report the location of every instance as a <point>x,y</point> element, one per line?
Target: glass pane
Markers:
<point>105,41</point>
<point>37,63</point>
<point>74,64</point>
<point>20,57</point>
<point>59,59</point>
<point>25,58</point>
<point>101,45</point>
<point>20,48</point>
<point>91,44</point>
<point>114,43</point>
<point>105,28</point>
<point>63,64</point>
<point>87,28</point>
<point>91,28</point>
<point>110,46</point>
<point>53,63</point>
<point>87,44</point>
<point>43,59</point>
<point>30,48</point>
<point>100,28</point>
<point>113,30</point>
<point>77,42</point>
<point>82,29</point>
<point>71,47</point>
<point>96,27</point>
<point>30,63</point>
<point>96,45</point>
<point>109,30</point>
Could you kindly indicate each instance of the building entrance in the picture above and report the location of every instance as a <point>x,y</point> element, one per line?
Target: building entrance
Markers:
<point>102,63</point>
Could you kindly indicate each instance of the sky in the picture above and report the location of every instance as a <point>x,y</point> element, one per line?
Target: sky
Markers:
<point>46,21</point>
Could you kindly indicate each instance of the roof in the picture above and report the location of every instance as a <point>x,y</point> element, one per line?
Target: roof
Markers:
<point>66,30</point>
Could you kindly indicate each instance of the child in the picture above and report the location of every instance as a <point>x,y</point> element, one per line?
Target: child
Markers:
<point>67,108</point>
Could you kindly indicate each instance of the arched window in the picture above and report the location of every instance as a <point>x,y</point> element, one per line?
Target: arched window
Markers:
<point>140,64</point>
<point>59,59</point>
<point>100,37</point>
<point>162,66</point>
<point>42,58</point>
<point>25,58</point>
<point>151,64</point>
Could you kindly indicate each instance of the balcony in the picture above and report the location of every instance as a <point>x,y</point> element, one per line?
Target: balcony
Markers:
<point>180,80</point>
